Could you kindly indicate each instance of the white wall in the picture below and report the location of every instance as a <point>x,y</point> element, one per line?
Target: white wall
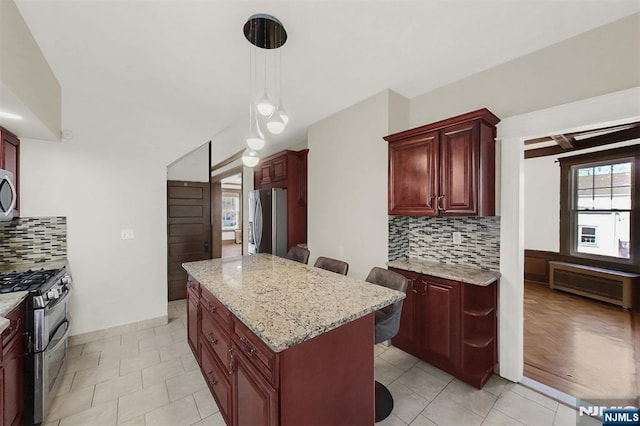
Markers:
<point>542,199</point>
<point>111,176</point>
<point>26,74</point>
<point>193,167</point>
<point>347,212</point>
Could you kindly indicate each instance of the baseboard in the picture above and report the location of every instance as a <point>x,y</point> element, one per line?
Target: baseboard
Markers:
<point>79,339</point>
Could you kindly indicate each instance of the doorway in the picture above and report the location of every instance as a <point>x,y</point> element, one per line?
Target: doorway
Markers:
<point>226,214</point>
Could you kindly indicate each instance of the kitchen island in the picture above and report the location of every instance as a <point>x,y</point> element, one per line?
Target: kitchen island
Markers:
<point>284,343</point>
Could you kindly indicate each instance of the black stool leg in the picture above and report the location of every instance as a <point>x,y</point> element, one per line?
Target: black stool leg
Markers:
<point>384,402</point>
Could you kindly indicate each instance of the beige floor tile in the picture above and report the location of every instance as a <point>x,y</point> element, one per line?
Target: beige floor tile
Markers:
<point>422,383</point>
<point>138,421</point>
<point>534,396</point>
<point>137,363</point>
<point>74,351</point>
<point>478,401</point>
<point>385,373</point>
<point>121,329</point>
<point>407,405</point>
<point>117,387</point>
<point>189,362</point>
<point>69,403</point>
<point>101,344</point>
<point>136,336</point>
<point>400,359</point>
<point>185,384</point>
<point>524,410</point>
<point>392,420</point>
<point>496,385</point>
<point>161,372</point>
<point>100,415</point>
<point>54,423</point>
<point>565,416</point>
<point>79,339</point>
<point>174,351</point>
<point>64,384</point>
<point>179,336</point>
<point>377,350</point>
<point>143,401</point>
<point>151,323</point>
<point>156,342</point>
<point>213,420</point>
<point>434,371</point>
<point>82,362</point>
<point>119,352</point>
<point>422,421</point>
<point>182,412</point>
<point>444,412</point>
<point>173,325</point>
<point>498,418</point>
<point>92,376</point>
<point>205,402</point>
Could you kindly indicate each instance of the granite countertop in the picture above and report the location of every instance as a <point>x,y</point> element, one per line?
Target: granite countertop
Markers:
<point>25,266</point>
<point>463,273</point>
<point>284,302</point>
<point>9,301</point>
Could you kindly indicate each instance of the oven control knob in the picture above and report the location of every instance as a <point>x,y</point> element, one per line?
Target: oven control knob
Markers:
<point>66,279</point>
<point>53,294</point>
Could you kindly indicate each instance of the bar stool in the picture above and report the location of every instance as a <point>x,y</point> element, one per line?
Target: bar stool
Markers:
<point>333,265</point>
<point>387,324</point>
<point>298,254</point>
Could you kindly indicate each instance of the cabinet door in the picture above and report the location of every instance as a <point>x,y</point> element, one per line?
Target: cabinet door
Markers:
<point>216,378</point>
<point>442,322</point>
<point>263,174</point>
<point>409,335</point>
<point>279,169</point>
<point>193,325</point>
<point>1,394</point>
<point>13,366</point>
<point>459,177</point>
<point>255,402</point>
<point>413,175</point>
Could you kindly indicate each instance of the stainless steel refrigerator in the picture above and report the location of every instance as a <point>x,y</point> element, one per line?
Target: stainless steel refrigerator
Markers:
<point>268,221</point>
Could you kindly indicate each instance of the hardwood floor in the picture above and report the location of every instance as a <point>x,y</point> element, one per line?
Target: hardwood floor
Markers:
<point>585,348</point>
<point>231,250</point>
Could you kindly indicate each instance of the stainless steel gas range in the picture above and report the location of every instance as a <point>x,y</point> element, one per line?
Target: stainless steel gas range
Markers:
<point>47,330</point>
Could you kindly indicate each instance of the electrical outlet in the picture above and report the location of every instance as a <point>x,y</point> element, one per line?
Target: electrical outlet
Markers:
<point>457,238</point>
<point>126,234</point>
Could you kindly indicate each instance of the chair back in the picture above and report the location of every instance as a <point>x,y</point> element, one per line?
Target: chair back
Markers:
<point>387,319</point>
<point>333,265</point>
<point>298,254</point>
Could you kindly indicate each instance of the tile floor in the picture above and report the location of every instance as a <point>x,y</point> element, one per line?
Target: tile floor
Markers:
<point>149,377</point>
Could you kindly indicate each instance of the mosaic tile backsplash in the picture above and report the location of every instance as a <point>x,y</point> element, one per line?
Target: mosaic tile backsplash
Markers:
<point>431,238</point>
<point>33,239</point>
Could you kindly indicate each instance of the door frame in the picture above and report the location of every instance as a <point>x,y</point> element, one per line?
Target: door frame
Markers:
<point>216,209</point>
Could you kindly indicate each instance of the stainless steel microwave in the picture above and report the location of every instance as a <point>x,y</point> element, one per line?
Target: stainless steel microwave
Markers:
<point>8,196</point>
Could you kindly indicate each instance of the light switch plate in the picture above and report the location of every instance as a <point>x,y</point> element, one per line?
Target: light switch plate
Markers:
<point>457,238</point>
<point>126,234</point>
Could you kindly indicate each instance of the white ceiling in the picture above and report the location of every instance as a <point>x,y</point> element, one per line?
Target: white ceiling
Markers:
<point>193,54</point>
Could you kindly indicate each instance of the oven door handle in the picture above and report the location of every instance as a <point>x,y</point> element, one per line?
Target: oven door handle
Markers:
<point>64,324</point>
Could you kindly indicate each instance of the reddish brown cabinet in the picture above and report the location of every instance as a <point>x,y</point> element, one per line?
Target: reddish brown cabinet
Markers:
<point>287,169</point>
<point>445,168</point>
<point>12,368</point>
<point>10,160</point>
<point>451,325</point>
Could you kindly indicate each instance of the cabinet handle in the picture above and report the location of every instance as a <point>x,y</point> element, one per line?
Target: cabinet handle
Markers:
<point>424,293</point>
<point>441,203</point>
<point>212,339</point>
<point>413,287</point>
<point>211,380</point>
<point>15,326</point>
<point>432,200</point>
<point>232,362</point>
<point>211,308</point>
<point>246,348</point>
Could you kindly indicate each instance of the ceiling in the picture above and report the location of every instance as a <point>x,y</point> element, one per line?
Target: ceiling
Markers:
<point>192,55</point>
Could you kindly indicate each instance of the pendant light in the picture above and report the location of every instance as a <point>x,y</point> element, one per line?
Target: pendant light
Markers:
<point>250,158</point>
<point>279,118</point>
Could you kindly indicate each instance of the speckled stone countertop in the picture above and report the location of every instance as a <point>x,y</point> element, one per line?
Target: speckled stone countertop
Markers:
<point>9,301</point>
<point>22,267</point>
<point>462,273</point>
<point>284,302</point>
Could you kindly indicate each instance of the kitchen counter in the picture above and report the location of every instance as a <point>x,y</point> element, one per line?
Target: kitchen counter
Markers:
<point>8,302</point>
<point>23,267</point>
<point>284,302</point>
<point>462,273</point>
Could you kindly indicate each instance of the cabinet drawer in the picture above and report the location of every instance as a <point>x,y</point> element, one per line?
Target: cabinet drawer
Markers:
<point>217,381</point>
<point>16,325</point>
<point>259,354</point>
<point>193,287</point>
<point>212,305</point>
<point>215,337</point>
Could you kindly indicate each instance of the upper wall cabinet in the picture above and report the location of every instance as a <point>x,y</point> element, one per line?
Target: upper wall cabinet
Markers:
<point>10,160</point>
<point>445,168</point>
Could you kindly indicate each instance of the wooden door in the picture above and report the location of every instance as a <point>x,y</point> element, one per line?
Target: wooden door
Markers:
<point>10,160</point>
<point>408,337</point>
<point>442,323</point>
<point>255,402</point>
<point>459,147</point>
<point>188,231</point>
<point>413,175</point>
<point>13,366</point>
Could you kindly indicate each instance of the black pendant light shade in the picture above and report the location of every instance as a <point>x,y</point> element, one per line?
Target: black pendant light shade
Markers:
<point>265,31</point>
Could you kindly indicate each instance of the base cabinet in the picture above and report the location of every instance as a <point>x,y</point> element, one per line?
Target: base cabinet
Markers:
<point>12,369</point>
<point>451,325</point>
<point>314,382</point>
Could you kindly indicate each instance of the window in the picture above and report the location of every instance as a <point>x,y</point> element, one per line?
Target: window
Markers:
<point>230,210</point>
<point>599,201</point>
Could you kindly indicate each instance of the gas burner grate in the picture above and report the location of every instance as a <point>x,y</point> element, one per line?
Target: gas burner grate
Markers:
<point>25,281</point>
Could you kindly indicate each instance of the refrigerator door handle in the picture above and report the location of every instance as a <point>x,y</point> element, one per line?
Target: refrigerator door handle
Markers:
<point>257,234</point>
